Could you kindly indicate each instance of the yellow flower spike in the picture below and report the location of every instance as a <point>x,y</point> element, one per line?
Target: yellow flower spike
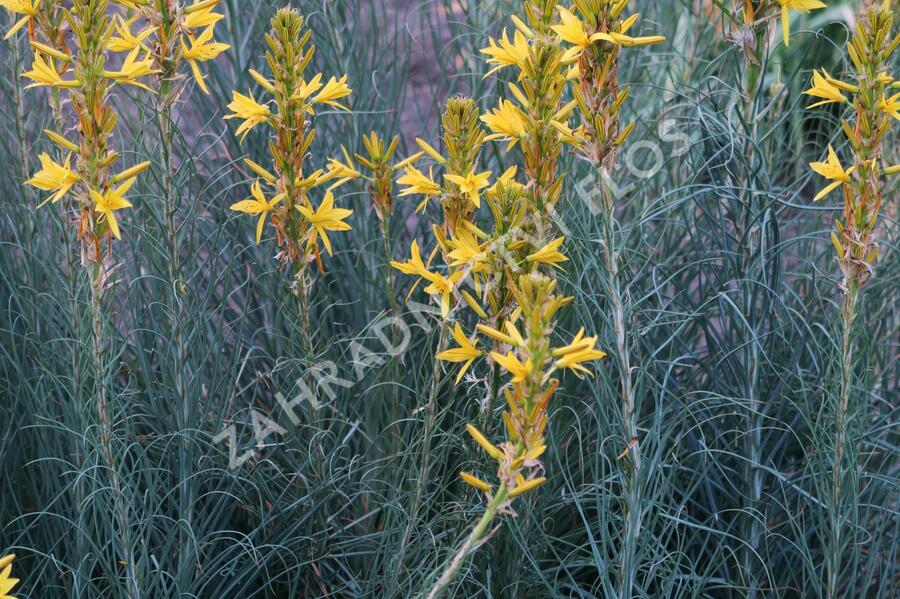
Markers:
<point>550,254</point>
<point>474,481</point>
<point>44,73</point>
<point>326,218</point>
<point>107,204</point>
<point>527,486</point>
<point>466,352</point>
<point>428,149</point>
<point>258,205</point>
<point>134,171</point>
<point>29,8</point>
<point>259,170</point>
<point>491,449</point>
<point>513,365</point>
<point>7,582</point>
<point>55,177</point>
<point>798,5</point>
<point>832,170</point>
<point>471,185</point>
<point>507,122</point>
<point>201,49</point>
<point>247,108</point>
<point>892,170</point>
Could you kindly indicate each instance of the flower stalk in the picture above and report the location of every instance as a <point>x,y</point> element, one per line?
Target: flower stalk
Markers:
<point>871,51</point>
<point>301,229</point>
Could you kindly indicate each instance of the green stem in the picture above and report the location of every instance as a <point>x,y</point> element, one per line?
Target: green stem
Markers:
<point>849,314</point>
<point>477,533</point>
<point>632,468</point>
<point>180,375</point>
<point>102,400</point>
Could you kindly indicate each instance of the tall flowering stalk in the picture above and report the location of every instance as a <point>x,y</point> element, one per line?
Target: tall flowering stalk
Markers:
<point>504,274</point>
<point>98,190</point>
<point>871,50</point>
<point>301,228</point>
<point>597,32</point>
<point>176,38</point>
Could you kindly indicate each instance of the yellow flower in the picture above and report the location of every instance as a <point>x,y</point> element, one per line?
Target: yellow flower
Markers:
<point>307,89</point>
<point>7,582</point>
<point>507,53</point>
<point>342,171</point>
<point>513,366</point>
<point>550,254</point>
<point>890,106</point>
<point>201,14</point>
<point>417,182</point>
<point>55,177</point>
<point>108,203</point>
<point>466,352</point>
<point>326,218</point>
<point>127,41</point>
<point>258,205</point>
<point>581,350</point>
<point>245,107</point>
<point>202,48</point>
<point>832,170</point>
<point>823,86</point>
<point>799,5</point>
<point>29,8</point>
<point>45,73</point>
<point>471,185</point>
<point>413,266</point>
<point>507,122</point>
<point>442,287</point>
<point>466,251</point>
<point>133,69</point>
<point>571,30</point>
<point>333,91</point>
